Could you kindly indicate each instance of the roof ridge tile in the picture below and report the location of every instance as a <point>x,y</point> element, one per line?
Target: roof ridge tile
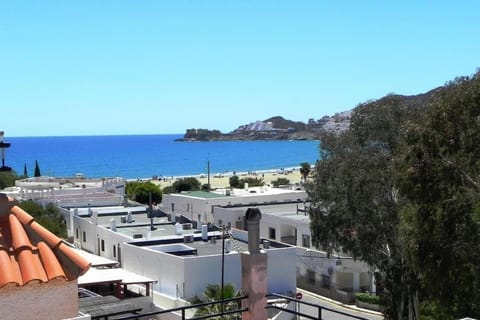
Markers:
<point>50,262</point>
<point>20,238</point>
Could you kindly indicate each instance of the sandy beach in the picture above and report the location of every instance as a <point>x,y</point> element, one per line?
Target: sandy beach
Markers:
<point>223,180</point>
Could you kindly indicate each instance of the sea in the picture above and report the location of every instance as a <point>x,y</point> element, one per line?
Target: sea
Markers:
<point>151,156</point>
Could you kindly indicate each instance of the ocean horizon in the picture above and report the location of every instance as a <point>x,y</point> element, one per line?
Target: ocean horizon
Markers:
<point>147,156</point>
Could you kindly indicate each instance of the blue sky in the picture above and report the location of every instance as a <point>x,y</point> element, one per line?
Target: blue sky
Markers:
<point>154,67</point>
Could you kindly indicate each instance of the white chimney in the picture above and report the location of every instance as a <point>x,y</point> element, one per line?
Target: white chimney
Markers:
<point>113,225</point>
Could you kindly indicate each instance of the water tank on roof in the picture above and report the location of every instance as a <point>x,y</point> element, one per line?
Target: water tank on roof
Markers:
<point>204,232</point>
<point>178,229</point>
<point>228,245</point>
<point>113,224</point>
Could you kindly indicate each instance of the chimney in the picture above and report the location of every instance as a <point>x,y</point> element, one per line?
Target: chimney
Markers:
<point>253,216</point>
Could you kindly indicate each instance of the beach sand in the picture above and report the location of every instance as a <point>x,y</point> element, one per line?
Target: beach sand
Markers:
<point>223,180</point>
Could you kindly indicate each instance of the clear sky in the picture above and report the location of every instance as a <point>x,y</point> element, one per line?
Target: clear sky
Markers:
<point>154,67</point>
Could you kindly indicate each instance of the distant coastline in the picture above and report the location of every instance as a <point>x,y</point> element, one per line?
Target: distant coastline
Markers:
<point>274,128</point>
<point>147,156</point>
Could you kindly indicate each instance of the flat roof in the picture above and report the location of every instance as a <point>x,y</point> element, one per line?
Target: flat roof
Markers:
<point>283,211</point>
<point>108,275</point>
<point>97,261</point>
<point>199,247</point>
<point>203,194</point>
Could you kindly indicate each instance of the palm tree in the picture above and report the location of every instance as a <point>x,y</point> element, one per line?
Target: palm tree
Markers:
<point>212,293</point>
<point>305,169</point>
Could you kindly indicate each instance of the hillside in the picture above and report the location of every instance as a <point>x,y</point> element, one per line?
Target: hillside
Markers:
<point>279,128</point>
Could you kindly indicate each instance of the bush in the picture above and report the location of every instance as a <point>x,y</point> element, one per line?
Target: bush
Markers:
<point>280,182</point>
<point>368,298</point>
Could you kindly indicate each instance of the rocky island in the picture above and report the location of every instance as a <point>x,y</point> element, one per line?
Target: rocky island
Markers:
<point>274,128</point>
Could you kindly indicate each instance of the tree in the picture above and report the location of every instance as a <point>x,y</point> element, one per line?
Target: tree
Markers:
<point>186,184</point>
<point>440,176</point>
<point>280,181</point>
<point>48,216</point>
<point>7,179</point>
<point>355,203</point>
<point>212,293</point>
<point>252,182</point>
<point>37,170</point>
<point>234,181</point>
<point>140,192</point>
<point>305,169</point>
<point>25,173</point>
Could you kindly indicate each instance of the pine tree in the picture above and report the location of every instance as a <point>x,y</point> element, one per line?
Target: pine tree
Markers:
<point>37,170</point>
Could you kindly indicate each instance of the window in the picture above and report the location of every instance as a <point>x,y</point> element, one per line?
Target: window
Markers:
<point>310,276</point>
<point>306,241</point>
<point>84,236</point>
<point>76,233</point>
<point>271,233</point>
<point>220,222</point>
<point>103,245</point>
<point>114,251</point>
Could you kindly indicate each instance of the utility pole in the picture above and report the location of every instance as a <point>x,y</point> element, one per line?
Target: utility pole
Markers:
<point>208,172</point>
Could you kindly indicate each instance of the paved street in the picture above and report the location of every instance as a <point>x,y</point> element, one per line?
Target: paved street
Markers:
<point>327,315</point>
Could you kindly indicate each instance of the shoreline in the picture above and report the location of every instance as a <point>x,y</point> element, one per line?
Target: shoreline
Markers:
<point>222,180</point>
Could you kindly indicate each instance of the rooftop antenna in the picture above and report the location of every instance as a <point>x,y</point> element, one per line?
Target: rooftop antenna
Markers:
<point>150,211</point>
<point>208,171</point>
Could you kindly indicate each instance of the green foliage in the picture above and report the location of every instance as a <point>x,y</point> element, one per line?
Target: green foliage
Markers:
<point>7,179</point>
<point>25,173</point>
<point>213,292</point>
<point>252,182</point>
<point>368,298</point>
<point>234,181</point>
<point>356,208</point>
<point>187,184</point>
<point>305,169</point>
<point>48,216</point>
<point>440,177</point>
<point>140,192</point>
<point>168,190</point>
<point>37,170</point>
<point>280,182</point>
<point>401,191</point>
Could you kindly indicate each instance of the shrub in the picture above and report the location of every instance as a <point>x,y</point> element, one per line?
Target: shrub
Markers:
<point>368,298</point>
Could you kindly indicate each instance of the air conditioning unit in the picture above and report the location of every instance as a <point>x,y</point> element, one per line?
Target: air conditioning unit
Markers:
<point>188,238</point>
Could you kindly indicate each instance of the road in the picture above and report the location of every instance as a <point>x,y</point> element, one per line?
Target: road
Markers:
<point>327,315</point>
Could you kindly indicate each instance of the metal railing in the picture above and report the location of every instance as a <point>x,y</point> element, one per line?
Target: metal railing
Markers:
<point>308,316</point>
<point>181,310</point>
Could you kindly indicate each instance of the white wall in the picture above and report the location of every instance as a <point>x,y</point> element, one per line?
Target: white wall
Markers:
<point>191,207</point>
<point>202,271</point>
<point>167,269</point>
<point>184,277</point>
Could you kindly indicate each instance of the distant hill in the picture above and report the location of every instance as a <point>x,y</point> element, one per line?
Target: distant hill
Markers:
<point>279,128</point>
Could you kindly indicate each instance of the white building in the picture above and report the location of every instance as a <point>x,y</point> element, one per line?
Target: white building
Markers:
<point>71,192</point>
<point>199,206</point>
<point>182,260</point>
<point>338,276</point>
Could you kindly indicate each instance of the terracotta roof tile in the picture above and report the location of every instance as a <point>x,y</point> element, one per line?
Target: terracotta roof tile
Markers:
<point>29,252</point>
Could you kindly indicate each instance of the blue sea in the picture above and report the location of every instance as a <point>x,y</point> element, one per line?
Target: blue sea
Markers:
<point>146,156</point>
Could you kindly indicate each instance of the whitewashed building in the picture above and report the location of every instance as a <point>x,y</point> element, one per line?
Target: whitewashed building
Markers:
<point>181,259</point>
<point>338,276</point>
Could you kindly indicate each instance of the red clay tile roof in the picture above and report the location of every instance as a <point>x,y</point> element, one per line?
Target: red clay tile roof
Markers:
<point>29,252</point>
